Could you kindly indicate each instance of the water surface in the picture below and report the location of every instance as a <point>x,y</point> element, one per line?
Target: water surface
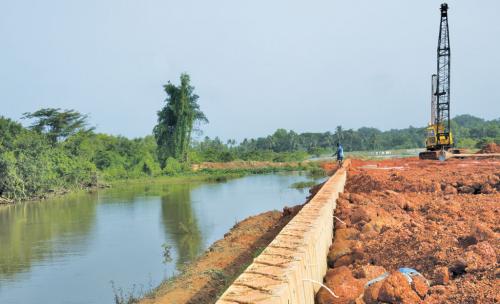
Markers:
<point>70,249</point>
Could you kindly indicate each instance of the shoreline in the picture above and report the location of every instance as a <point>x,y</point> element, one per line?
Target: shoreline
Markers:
<point>214,174</point>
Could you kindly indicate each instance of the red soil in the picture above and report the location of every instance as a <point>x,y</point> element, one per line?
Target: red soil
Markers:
<point>235,165</point>
<point>441,219</point>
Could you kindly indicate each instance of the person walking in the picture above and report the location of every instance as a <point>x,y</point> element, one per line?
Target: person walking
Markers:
<point>340,154</point>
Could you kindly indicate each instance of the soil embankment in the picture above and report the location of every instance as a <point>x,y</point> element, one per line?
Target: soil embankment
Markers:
<point>441,219</point>
<point>237,165</point>
<point>208,277</point>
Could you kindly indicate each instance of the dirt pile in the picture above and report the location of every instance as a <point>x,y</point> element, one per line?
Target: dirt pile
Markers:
<point>329,167</point>
<point>235,165</point>
<point>440,219</point>
<point>490,148</point>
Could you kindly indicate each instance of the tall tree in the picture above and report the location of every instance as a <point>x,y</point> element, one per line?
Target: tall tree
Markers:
<point>176,120</point>
<point>58,124</point>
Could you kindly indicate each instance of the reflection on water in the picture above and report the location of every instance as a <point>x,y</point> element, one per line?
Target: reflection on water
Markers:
<point>180,223</point>
<point>67,250</point>
<point>34,232</point>
<point>177,217</point>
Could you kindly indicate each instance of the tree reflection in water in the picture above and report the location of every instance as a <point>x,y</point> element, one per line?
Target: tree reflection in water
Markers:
<point>180,222</point>
<point>34,232</point>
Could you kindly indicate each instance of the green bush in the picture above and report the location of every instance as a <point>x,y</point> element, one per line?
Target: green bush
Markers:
<point>302,185</point>
<point>466,143</point>
<point>487,140</point>
<point>115,172</point>
<point>195,157</point>
<point>70,171</point>
<point>172,167</point>
<point>11,185</point>
<point>226,156</point>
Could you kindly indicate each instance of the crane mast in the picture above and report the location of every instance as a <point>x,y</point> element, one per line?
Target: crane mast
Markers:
<point>442,118</point>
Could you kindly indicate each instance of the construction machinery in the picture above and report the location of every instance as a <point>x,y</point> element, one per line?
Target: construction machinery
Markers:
<point>439,141</point>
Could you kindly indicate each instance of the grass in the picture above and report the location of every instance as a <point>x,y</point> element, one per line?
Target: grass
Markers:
<point>128,297</point>
<point>302,185</point>
<point>210,175</point>
<point>218,275</point>
<point>315,171</point>
<point>187,177</point>
<point>258,251</point>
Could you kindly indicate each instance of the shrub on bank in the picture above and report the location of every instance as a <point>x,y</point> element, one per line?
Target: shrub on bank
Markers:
<point>172,167</point>
<point>30,166</point>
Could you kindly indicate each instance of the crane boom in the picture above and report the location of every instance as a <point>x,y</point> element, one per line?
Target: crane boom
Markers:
<point>433,99</point>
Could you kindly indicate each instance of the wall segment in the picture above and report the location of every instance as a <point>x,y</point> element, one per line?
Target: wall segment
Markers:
<point>284,271</point>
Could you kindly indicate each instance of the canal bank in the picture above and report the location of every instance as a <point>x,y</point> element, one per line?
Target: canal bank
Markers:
<point>211,274</point>
<point>204,172</point>
<point>246,248</point>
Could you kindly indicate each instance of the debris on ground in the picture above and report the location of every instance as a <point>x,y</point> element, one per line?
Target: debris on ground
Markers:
<point>4,200</point>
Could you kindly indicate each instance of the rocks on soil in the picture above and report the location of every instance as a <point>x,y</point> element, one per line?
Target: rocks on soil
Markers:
<point>438,218</point>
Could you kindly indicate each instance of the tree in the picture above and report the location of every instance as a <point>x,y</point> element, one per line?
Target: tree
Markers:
<point>176,120</point>
<point>58,124</point>
<point>339,134</point>
<point>9,131</point>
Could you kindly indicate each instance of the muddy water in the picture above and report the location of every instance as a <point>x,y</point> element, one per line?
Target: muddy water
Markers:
<point>73,249</point>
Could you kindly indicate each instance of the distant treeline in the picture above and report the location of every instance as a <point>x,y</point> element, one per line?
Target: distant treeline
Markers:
<point>469,132</point>
<point>62,153</point>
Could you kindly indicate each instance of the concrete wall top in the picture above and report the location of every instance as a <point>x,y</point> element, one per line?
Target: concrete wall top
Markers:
<point>289,269</point>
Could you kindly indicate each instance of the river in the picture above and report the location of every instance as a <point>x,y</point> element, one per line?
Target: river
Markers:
<point>74,248</point>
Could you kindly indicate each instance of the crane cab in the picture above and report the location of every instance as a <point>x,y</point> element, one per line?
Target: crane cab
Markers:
<point>437,138</point>
<point>438,144</point>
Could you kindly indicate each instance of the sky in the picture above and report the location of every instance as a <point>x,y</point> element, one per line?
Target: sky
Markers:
<point>257,65</point>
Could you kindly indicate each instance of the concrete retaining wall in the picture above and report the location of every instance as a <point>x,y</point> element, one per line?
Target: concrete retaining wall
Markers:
<point>282,273</point>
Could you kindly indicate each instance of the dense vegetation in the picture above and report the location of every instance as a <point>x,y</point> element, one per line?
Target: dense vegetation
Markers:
<point>58,151</point>
<point>32,164</point>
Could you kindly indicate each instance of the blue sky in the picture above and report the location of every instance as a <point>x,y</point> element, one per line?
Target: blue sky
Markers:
<point>257,65</point>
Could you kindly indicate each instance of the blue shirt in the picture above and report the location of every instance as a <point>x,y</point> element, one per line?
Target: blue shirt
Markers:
<point>340,151</point>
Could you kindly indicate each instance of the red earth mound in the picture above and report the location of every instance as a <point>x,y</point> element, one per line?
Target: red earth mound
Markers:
<point>441,219</point>
<point>490,148</point>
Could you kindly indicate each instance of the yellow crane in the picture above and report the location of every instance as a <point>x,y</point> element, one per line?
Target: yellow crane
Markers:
<point>439,141</point>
